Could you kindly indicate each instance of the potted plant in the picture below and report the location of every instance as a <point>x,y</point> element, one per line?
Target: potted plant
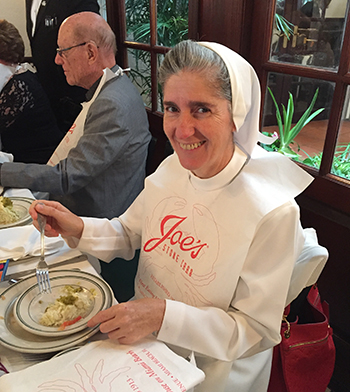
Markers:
<point>287,132</point>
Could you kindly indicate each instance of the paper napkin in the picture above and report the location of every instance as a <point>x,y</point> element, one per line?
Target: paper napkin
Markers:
<point>20,241</point>
<point>149,366</point>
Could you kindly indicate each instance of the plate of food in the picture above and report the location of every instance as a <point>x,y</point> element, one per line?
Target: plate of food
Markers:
<point>14,211</point>
<point>16,338</point>
<point>75,298</point>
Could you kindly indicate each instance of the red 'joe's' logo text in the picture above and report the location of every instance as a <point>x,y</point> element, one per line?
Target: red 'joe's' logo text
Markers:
<point>175,236</point>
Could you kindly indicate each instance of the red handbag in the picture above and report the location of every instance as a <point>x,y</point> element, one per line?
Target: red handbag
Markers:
<point>304,360</point>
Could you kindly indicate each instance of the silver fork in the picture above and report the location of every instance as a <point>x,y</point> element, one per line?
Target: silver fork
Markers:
<point>42,269</point>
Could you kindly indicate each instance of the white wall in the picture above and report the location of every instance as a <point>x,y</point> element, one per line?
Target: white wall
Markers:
<point>14,12</point>
<point>336,9</point>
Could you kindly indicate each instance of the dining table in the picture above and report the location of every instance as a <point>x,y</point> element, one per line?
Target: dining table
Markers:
<point>65,259</point>
<point>31,363</point>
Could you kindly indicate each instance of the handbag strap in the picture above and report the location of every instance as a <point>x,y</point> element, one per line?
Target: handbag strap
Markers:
<point>314,299</point>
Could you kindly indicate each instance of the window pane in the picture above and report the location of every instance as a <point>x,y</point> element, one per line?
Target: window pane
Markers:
<point>341,160</point>
<point>140,63</point>
<point>103,10</point>
<point>309,32</point>
<point>172,21</point>
<point>137,20</point>
<point>305,145</point>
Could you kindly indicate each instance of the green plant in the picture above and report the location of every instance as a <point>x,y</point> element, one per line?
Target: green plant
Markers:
<point>287,133</point>
<point>340,164</point>
<point>284,26</point>
<point>172,27</point>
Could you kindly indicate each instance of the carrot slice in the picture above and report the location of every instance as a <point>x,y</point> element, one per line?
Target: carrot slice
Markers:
<point>63,326</point>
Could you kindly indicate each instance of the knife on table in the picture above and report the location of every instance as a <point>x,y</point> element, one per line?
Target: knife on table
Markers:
<point>18,275</point>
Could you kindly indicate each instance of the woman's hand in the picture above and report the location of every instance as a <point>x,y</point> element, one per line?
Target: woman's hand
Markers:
<point>59,219</point>
<point>130,321</point>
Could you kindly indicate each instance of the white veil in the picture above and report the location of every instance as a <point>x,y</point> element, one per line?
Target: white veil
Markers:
<point>245,97</point>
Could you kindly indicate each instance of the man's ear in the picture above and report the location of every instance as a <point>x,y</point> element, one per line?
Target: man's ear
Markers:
<point>92,51</point>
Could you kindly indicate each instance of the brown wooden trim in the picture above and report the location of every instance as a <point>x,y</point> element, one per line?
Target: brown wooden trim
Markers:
<point>222,21</point>
<point>153,22</point>
<point>146,47</point>
<point>333,128</point>
<point>263,19</point>
<point>153,42</point>
<point>299,70</point>
<point>116,19</point>
<point>332,191</point>
<point>193,19</point>
<point>344,64</point>
<point>155,120</point>
<point>323,210</point>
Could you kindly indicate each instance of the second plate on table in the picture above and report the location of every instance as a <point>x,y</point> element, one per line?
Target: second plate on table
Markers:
<point>31,305</point>
<point>21,207</point>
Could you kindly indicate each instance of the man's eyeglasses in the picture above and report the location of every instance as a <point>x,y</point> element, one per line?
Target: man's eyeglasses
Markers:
<point>60,51</point>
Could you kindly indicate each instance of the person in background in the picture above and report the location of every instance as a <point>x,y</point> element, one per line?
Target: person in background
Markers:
<point>98,169</point>
<point>44,17</point>
<point>28,128</point>
<point>217,227</point>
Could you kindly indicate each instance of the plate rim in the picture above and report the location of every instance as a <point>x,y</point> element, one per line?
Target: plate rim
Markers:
<point>38,347</point>
<point>25,220</point>
<point>56,332</point>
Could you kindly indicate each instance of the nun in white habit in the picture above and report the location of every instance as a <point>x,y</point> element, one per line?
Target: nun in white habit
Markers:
<point>217,227</point>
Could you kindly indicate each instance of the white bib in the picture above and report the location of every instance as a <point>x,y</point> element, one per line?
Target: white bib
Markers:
<point>6,72</point>
<point>72,137</point>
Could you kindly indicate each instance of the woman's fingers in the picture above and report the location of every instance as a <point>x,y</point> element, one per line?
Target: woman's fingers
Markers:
<point>130,321</point>
<point>59,219</point>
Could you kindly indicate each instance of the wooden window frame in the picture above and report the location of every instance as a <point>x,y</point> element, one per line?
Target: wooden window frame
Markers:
<point>327,188</point>
<point>246,27</point>
<point>116,19</point>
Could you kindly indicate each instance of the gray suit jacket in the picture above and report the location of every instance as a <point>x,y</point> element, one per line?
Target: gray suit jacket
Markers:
<point>104,173</point>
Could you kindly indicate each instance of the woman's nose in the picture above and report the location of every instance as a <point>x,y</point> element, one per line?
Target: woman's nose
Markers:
<point>185,127</point>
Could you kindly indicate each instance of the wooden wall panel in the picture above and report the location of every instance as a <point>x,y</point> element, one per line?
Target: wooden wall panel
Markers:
<point>227,22</point>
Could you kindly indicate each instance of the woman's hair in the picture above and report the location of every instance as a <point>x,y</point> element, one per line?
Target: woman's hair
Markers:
<point>11,43</point>
<point>190,56</point>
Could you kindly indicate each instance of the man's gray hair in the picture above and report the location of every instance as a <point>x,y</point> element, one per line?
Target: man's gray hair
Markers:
<point>192,57</point>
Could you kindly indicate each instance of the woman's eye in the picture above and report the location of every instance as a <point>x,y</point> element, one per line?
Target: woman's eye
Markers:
<point>203,110</point>
<point>171,109</point>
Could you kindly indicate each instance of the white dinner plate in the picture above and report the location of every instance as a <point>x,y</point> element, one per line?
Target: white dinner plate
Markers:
<point>31,305</point>
<point>13,336</point>
<point>21,206</point>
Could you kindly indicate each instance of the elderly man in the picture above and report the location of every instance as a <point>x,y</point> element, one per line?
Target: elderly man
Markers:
<point>99,167</point>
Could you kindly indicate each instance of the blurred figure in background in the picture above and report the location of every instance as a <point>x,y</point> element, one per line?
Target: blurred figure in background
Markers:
<point>44,18</point>
<point>28,127</point>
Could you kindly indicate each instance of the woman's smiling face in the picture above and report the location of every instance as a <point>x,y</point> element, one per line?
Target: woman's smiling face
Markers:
<point>198,123</point>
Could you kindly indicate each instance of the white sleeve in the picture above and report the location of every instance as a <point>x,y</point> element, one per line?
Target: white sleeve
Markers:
<point>108,239</point>
<point>252,323</point>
